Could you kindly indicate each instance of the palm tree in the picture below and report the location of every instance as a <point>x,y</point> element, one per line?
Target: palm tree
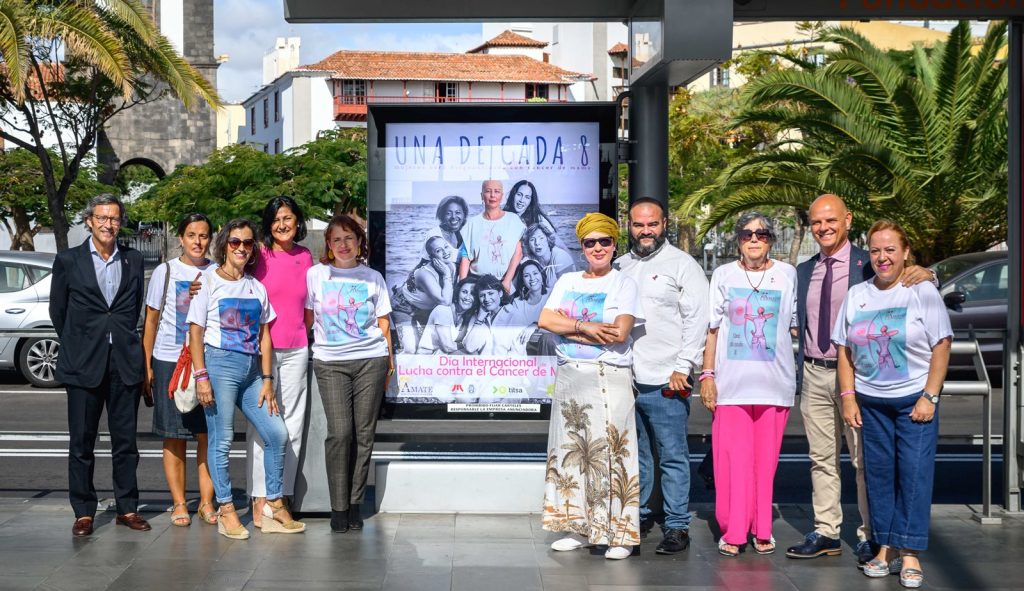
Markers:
<point>927,148</point>
<point>588,455</point>
<point>618,445</point>
<point>69,67</point>
<point>565,485</point>
<point>575,416</point>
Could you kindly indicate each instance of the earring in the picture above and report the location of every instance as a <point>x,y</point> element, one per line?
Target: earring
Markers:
<point>330,255</point>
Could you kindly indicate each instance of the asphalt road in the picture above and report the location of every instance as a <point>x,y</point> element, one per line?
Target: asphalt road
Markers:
<point>33,450</point>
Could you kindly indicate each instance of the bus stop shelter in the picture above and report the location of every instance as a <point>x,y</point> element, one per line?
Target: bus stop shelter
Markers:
<point>682,39</point>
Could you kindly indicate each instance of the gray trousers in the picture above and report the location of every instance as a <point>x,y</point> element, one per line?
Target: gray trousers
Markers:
<point>352,392</point>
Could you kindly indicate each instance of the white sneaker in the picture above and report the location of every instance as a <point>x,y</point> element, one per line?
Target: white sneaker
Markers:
<point>569,542</point>
<point>618,552</point>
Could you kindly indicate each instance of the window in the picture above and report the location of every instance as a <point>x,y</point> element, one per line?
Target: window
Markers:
<point>720,77</point>
<point>38,273</point>
<point>987,283</point>
<point>13,278</point>
<point>277,106</point>
<point>266,113</point>
<point>353,92</point>
<point>252,120</point>
<point>620,73</point>
<point>277,146</point>
<point>536,91</point>
<point>266,149</point>
<point>446,92</point>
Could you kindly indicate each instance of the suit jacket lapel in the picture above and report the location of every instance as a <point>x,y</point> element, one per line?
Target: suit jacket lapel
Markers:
<point>89,270</point>
<point>124,276</point>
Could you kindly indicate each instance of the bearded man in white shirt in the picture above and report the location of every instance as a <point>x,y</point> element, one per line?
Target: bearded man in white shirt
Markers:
<point>674,295</point>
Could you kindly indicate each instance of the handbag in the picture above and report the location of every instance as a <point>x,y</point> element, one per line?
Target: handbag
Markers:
<point>182,388</point>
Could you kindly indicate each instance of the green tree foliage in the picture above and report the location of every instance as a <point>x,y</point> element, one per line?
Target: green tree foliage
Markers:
<point>927,150</point>
<point>326,176</point>
<point>23,208</point>
<point>69,67</point>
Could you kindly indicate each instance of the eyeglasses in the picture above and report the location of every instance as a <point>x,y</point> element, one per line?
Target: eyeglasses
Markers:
<point>105,219</point>
<point>746,235</point>
<point>248,243</point>
<point>592,242</point>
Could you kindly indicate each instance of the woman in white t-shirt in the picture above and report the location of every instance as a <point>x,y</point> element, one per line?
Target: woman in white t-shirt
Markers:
<point>478,339</point>
<point>347,307</point>
<point>515,325</point>
<point>167,303</point>
<point>447,322</point>
<point>748,383</point>
<point>591,491</point>
<point>539,244</point>
<point>893,343</point>
<point>233,358</point>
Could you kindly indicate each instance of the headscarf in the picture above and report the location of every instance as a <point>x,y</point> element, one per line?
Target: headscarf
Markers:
<point>597,222</point>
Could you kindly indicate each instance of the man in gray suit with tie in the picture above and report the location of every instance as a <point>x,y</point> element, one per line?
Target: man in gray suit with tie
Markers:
<point>822,283</point>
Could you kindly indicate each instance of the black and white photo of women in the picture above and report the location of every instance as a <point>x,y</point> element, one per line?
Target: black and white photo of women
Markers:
<point>430,284</point>
<point>540,244</point>
<point>523,201</point>
<point>490,296</point>
<point>452,213</point>
<point>514,330</point>
<point>446,323</point>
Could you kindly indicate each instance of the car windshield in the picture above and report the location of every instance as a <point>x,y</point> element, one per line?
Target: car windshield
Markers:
<point>949,268</point>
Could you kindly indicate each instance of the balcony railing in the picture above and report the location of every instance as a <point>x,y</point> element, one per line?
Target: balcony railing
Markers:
<point>354,107</point>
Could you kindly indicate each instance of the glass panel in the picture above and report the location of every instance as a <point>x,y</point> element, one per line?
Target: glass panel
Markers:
<point>13,278</point>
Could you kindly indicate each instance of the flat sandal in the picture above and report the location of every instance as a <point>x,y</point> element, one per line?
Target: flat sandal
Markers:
<point>210,516</point>
<point>180,520</point>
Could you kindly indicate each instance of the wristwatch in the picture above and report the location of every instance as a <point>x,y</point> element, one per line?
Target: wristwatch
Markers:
<point>933,398</point>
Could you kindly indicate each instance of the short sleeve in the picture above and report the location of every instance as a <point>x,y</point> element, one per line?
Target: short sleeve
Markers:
<point>155,292</point>
<point>554,300</point>
<point>933,314</point>
<point>627,298</point>
<point>268,314</point>
<point>794,319</point>
<point>383,305</point>
<point>840,332</point>
<point>719,303</point>
<point>311,286</point>
<point>200,305</point>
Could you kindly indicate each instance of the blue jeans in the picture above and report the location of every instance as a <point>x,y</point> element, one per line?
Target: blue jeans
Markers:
<point>235,378</point>
<point>661,423</point>
<point>899,470</point>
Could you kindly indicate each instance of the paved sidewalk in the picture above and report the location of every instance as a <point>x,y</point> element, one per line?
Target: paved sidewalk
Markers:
<point>460,552</point>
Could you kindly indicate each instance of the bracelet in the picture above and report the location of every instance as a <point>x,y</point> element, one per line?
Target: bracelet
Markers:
<point>846,393</point>
<point>576,327</point>
<point>202,379</point>
<point>706,376</point>
<point>200,372</point>
<point>268,376</point>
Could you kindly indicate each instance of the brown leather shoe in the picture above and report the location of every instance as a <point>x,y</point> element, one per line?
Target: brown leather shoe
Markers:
<point>82,527</point>
<point>134,521</point>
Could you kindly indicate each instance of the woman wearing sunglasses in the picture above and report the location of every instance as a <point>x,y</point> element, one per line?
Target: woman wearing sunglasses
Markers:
<point>233,358</point>
<point>281,266</point>
<point>748,383</point>
<point>592,488</point>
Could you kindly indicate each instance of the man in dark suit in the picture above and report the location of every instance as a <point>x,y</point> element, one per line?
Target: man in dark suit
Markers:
<point>822,283</point>
<point>96,296</point>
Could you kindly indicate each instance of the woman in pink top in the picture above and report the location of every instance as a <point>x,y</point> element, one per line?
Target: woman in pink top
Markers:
<point>282,270</point>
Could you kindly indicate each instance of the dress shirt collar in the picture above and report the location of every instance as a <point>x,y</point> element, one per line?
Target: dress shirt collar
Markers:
<point>95,251</point>
<point>841,256</point>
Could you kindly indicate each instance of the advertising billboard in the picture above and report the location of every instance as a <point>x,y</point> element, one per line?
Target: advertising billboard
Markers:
<point>478,223</point>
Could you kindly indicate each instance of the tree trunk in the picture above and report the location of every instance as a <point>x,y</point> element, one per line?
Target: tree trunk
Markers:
<point>22,237</point>
<point>798,237</point>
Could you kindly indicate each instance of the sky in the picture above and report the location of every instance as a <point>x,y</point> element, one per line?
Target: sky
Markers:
<point>246,29</point>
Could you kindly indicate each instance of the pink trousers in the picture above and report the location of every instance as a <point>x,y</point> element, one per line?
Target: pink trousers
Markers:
<point>745,443</point>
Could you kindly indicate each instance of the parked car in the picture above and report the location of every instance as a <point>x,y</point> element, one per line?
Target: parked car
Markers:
<point>24,303</point>
<point>975,288</point>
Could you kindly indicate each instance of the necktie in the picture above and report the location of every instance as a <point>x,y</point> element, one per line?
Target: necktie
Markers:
<point>825,308</point>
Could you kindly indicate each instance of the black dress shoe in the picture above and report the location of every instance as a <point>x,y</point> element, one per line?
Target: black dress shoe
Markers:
<point>646,525</point>
<point>82,527</point>
<point>676,540</point>
<point>355,519</point>
<point>815,545</point>
<point>865,551</point>
<point>339,521</point>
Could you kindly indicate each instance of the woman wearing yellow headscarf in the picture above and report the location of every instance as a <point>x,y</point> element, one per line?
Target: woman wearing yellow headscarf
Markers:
<point>592,485</point>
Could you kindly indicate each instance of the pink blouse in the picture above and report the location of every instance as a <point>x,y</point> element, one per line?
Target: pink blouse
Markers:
<point>284,276</point>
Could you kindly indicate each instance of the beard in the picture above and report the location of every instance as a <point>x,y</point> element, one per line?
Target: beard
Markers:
<point>645,251</point>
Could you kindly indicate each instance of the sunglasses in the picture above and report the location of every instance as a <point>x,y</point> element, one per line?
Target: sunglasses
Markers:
<point>592,242</point>
<point>746,235</point>
<point>248,243</point>
<point>670,393</point>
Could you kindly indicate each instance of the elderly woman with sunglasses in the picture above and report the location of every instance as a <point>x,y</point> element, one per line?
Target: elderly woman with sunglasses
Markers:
<point>233,356</point>
<point>592,489</point>
<point>748,383</point>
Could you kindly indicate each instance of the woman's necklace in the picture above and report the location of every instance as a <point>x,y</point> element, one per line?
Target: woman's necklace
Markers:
<point>225,274</point>
<point>757,287</point>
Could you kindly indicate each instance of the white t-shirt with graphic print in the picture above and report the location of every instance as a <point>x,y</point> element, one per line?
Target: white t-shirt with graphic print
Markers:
<point>753,312</point>
<point>346,304</point>
<point>598,299</point>
<point>491,244</point>
<point>173,326</point>
<point>890,333</point>
<point>231,312</point>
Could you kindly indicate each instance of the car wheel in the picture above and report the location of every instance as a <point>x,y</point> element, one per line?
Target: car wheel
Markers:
<point>38,362</point>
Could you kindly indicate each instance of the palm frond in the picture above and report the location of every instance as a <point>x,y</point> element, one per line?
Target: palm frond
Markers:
<point>15,48</point>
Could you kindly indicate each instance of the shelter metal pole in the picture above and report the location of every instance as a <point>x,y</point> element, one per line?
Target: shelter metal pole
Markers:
<point>1012,351</point>
<point>648,127</point>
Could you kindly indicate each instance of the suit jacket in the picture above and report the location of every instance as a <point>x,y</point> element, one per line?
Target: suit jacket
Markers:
<point>82,318</point>
<point>860,270</point>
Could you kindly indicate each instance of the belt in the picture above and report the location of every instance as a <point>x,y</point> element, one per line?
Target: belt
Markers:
<point>826,363</point>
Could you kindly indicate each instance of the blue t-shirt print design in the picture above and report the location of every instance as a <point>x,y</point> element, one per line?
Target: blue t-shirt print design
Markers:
<point>753,323</point>
<point>345,310</point>
<point>588,307</point>
<point>879,339</point>
<point>181,302</point>
<point>240,324</point>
